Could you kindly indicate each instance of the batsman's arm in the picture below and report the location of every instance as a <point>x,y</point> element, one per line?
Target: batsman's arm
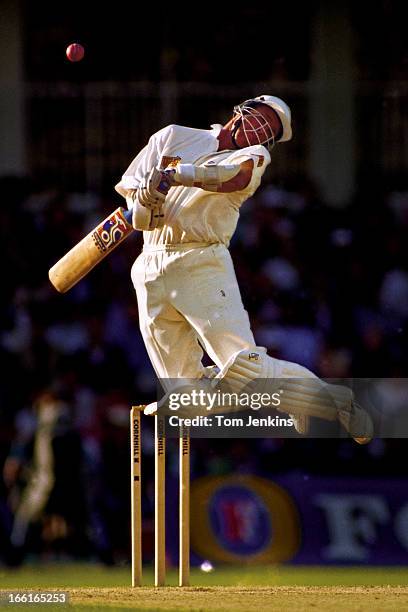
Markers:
<point>220,178</point>
<point>85,255</point>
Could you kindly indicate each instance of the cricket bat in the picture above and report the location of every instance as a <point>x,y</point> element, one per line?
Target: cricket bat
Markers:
<point>94,247</point>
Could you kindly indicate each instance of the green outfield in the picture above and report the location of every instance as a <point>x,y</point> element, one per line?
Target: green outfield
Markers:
<point>246,589</point>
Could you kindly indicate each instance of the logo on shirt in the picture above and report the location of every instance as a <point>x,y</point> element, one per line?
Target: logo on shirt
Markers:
<point>169,162</point>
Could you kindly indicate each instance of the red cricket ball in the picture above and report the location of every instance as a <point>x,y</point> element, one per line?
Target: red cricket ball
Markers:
<point>75,52</point>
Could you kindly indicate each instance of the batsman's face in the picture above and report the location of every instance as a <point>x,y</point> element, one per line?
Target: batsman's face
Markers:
<point>258,125</point>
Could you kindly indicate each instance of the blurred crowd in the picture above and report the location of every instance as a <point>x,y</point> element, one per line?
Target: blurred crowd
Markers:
<point>325,287</point>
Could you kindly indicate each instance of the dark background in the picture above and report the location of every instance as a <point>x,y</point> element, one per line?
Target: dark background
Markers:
<point>324,278</point>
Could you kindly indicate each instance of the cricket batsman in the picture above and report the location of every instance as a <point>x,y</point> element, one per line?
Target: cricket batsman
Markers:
<point>186,188</point>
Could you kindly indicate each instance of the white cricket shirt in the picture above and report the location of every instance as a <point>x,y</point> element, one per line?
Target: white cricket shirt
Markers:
<point>192,214</point>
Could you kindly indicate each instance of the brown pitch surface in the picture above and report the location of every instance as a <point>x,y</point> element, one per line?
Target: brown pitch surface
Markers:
<point>240,599</point>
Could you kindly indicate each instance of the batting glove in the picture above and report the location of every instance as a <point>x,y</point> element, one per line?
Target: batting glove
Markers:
<point>153,189</point>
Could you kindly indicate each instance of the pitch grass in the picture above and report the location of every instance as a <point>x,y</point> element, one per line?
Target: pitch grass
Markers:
<point>227,589</point>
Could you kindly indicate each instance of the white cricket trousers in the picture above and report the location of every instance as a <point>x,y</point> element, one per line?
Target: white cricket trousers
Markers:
<point>188,298</point>
<point>188,295</point>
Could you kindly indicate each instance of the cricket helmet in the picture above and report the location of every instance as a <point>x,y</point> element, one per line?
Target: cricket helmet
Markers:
<point>279,106</point>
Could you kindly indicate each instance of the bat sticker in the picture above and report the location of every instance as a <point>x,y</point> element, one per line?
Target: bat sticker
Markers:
<point>109,233</point>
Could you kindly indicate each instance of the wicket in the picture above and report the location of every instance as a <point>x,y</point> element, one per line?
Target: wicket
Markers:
<point>160,500</point>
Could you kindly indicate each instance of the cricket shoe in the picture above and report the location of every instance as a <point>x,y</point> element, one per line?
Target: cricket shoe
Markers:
<point>357,422</point>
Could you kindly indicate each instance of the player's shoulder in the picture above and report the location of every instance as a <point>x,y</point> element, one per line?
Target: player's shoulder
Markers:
<point>179,131</point>
<point>258,153</point>
<point>258,150</point>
